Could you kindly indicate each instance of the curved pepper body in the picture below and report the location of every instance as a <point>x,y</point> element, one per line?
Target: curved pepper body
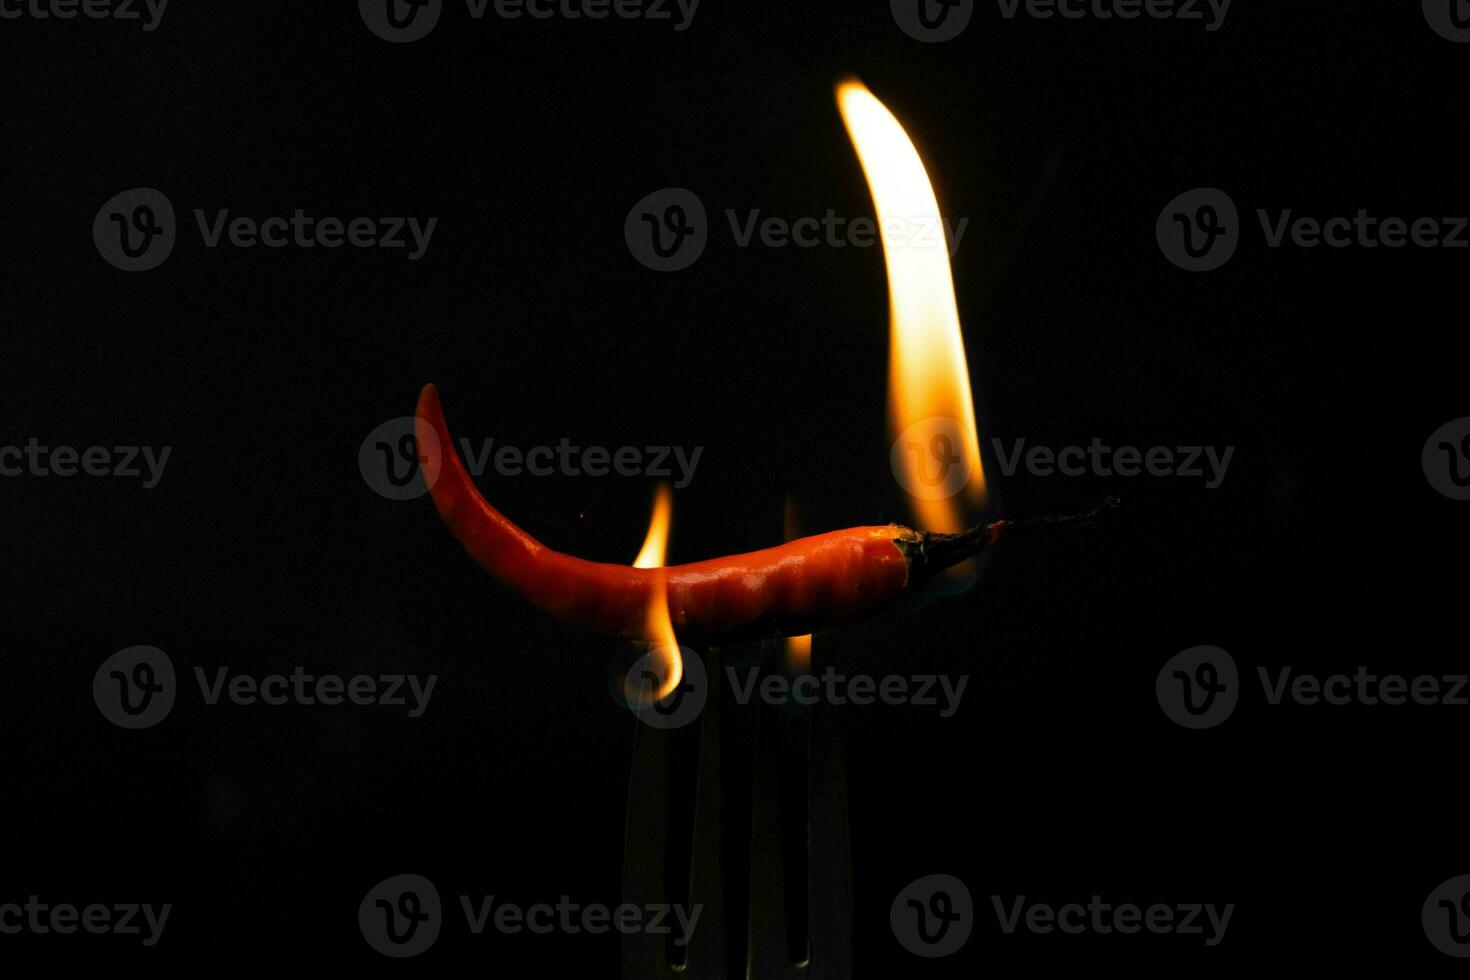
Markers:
<point>804,586</point>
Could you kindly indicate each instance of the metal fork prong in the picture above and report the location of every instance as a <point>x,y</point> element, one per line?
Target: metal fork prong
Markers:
<point>768,945</point>
<point>814,738</point>
<point>829,850</point>
<point>646,850</point>
<point>708,952</point>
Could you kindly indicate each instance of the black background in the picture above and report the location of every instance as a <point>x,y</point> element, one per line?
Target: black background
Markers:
<point>262,548</point>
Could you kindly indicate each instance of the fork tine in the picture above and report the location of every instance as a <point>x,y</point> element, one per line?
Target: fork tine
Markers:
<point>786,744</point>
<point>768,945</point>
<point>811,741</point>
<point>646,849</point>
<point>829,849</point>
<point>707,953</point>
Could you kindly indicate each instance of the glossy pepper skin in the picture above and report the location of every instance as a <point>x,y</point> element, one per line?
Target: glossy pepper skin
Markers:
<point>804,586</point>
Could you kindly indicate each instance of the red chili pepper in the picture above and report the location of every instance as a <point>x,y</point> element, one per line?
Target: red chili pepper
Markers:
<point>804,586</point>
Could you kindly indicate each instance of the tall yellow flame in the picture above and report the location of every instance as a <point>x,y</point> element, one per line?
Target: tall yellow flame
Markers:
<point>930,408</point>
<point>664,658</point>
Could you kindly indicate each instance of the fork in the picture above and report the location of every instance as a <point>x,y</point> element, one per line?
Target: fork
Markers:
<point>796,920</point>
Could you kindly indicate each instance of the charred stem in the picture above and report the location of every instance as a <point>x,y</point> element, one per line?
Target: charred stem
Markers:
<point>931,552</point>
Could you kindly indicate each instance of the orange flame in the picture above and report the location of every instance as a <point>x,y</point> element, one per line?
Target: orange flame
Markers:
<point>664,658</point>
<point>798,648</point>
<point>931,412</point>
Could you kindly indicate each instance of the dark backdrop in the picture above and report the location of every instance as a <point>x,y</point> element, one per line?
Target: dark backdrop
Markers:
<point>262,548</point>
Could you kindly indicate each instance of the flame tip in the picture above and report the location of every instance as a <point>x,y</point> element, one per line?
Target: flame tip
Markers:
<point>931,408</point>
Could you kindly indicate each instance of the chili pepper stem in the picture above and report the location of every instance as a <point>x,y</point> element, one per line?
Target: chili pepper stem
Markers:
<point>1065,520</point>
<point>931,552</point>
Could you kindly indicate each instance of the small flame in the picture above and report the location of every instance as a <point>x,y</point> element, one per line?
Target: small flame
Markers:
<point>799,653</point>
<point>664,660</point>
<point>656,544</point>
<point>931,412</point>
<point>798,648</point>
